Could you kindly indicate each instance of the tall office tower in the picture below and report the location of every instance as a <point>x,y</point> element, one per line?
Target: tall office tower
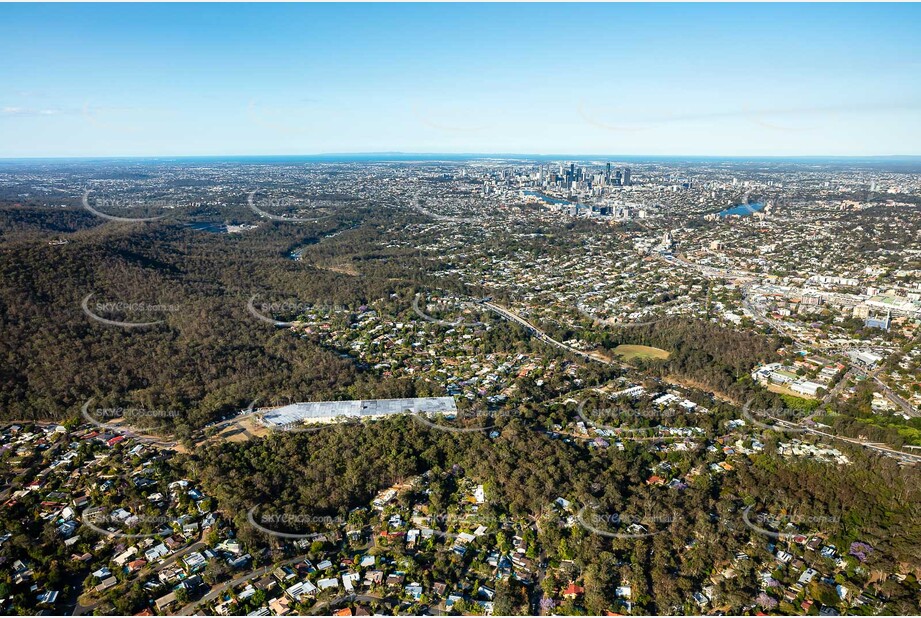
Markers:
<point>607,172</point>
<point>617,177</point>
<point>626,177</point>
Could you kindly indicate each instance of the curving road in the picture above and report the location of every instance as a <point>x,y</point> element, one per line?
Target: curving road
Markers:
<point>873,446</point>
<point>510,315</point>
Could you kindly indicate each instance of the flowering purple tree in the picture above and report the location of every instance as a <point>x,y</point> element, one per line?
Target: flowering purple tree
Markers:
<point>766,601</point>
<point>860,550</point>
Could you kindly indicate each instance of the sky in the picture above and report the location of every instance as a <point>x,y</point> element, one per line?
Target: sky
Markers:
<point>101,80</point>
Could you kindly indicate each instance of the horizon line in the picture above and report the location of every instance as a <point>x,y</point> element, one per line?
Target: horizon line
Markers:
<point>456,154</point>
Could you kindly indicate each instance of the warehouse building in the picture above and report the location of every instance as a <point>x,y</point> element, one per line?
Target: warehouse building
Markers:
<point>295,414</point>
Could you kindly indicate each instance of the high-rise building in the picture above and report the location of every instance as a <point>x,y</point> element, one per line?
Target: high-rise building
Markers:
<point>879,322</point>
<point>625,181</point>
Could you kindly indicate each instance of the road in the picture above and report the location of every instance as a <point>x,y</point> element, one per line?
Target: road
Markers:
<point>81,609</point>
<point>222,588</point>
<point>759,316</point>
<point>781,328</point>
<point>510,315</point>
<point>217,591</point>
<point>541,335</point>
<point>874,446</point>
<point>351,598</point>
<point>707,271</point>
<point>834,392</point>
<point>906,407</point>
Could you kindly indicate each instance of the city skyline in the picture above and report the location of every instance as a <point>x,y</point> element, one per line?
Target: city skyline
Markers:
<point>486,309</point>
<point>641,80</point>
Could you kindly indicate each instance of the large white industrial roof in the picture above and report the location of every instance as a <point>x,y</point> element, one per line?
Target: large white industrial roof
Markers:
<point>322,411</point>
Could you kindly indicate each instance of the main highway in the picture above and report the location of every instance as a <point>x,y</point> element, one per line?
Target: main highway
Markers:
<point>873,446</point>
<point>510,315</point>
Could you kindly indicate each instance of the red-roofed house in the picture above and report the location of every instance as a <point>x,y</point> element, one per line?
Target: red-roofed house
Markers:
<point>572,591</point>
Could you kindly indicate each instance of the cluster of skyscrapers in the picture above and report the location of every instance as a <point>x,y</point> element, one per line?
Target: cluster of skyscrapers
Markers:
<point>573,177</point>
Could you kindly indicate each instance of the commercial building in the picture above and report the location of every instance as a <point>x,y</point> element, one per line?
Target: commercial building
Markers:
<point>865,358</point>
<point>881,322</point>
<point>895,304</point>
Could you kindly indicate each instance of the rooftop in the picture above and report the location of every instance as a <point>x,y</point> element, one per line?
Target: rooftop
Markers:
<point>325,411</point>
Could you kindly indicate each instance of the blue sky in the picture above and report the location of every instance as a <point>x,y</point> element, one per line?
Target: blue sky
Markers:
<point>657,79</point>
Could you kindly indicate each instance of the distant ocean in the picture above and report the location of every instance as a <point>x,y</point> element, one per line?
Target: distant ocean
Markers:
<point>906,164</point>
